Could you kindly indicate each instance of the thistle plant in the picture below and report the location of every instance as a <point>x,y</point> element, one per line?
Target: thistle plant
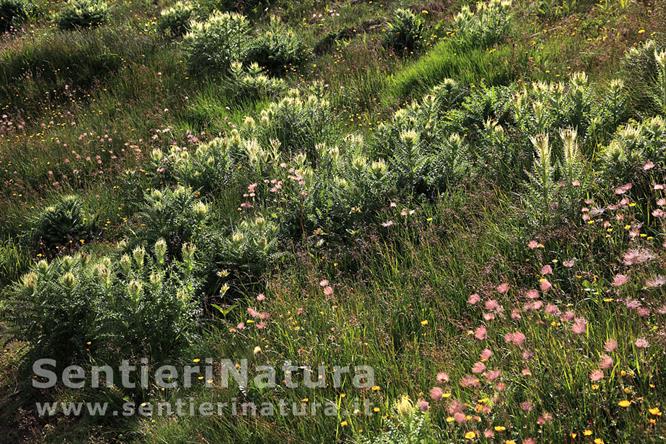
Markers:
<point>405,32</point>
<point>80,14</point>
<point>540,190</point>
<point>175,20</point>
<point>214,44</point>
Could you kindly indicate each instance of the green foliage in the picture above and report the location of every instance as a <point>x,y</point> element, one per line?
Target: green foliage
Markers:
<point>445,61</point>
<point>485,27</point>
<point>79,308</point>
<point>405,32</point>
<point>174,215</point>
<point>297,123</point>
<point>251,84</point>
<point>13,262</point>
<point>13,13</point>
<point>175,20</point>
<point>645,75</point>
<point>62,225</point>
<point>207,169</point>
<point>214,45</point>
<point>636,155</point>
<point>81,14</point>
<point>277,48</point>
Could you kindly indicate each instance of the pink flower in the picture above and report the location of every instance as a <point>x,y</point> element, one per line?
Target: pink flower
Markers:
<point>569,263</point>
<point>261,297</point>
<point>596,375</point>
<point>605,362</point>
<point>473,299</point>
<point>486,354</point>
<point>619,280</point>
<point>481,333</point>
<point>568,315</point>
<point>637,256</point>
<point>552,310</point>
<point>532,294</point>
<point>488,433</point>
<point>533,245</point>
<point>515,314</point>
<point>459,417</point>
<point>423,405</point>
<point>442,377</point>
<point>328,291</point>
<point>436,393</point>
<point>502,288</point>
<point>478,368</point>
<point>529,441</point>
<point>544,418</point>
<point>623,189</point>
<point>545,285</point>
<point>610,346</point>
<point>546,270</point>
<point>517,338</point>
<point>240,326</point>
<point>491,375</point>
<point>488,316</point>
<point>455,406</point>
<point>323,283</point>
<point>491,305</point>
<point>579,326</point>
<point>526,406</point>
<point>648,165</point>
<point>469,381</point>
<point>656,282</point>
<point>642,343</point>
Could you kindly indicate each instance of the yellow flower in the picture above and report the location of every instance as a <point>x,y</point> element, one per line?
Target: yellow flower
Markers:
<point>375,409</point>
<point>598,441</point>
<point>376,388</point>
<point>196,360</point>
<point>344,424</point>
<point>510,441</point>
<point>655,411</point>
<point>424,322</point>
<point>450,419</point>
<point>641,31</point>
<point>573,435</point>
<point>624,403</point>
<point>587,432</point>
<point>470,435</point>
<point>500,428</point>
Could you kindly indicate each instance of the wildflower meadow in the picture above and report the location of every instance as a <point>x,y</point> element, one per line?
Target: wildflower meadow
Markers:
<point>367,222</point>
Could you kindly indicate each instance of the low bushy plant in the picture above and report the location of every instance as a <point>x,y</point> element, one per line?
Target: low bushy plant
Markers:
<point>277,48</point>
<point>297,123</point>
<point>484,27</point>
<point>175,20</point>
<point>13,13</point>
<point>82,308</point>
<point>405,32</point>
<point>63,225</point>
<point>81,14</point>
<point>174,215</point>
<point>248,84</point>
<point>212,46</point>
<point>13,261</point>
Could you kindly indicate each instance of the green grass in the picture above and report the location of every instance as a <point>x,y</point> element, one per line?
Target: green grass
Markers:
<point>495,66</point>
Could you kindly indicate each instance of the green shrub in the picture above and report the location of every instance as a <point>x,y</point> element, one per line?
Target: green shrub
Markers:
<point>208,168</point>
<point>251,84</point>
<point>174,215</point>
<point>82,308</point>
<point>277,48</point>
<point>633,147</point>
<point>80,14</point>
<point>62,225</point>
<point>405,32</point>
<point>13,13</point>
<point>486,26</point>
<point>212,46</point>
<point>298,123</point>
<point>175,20</point>
<point>645,76</point>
